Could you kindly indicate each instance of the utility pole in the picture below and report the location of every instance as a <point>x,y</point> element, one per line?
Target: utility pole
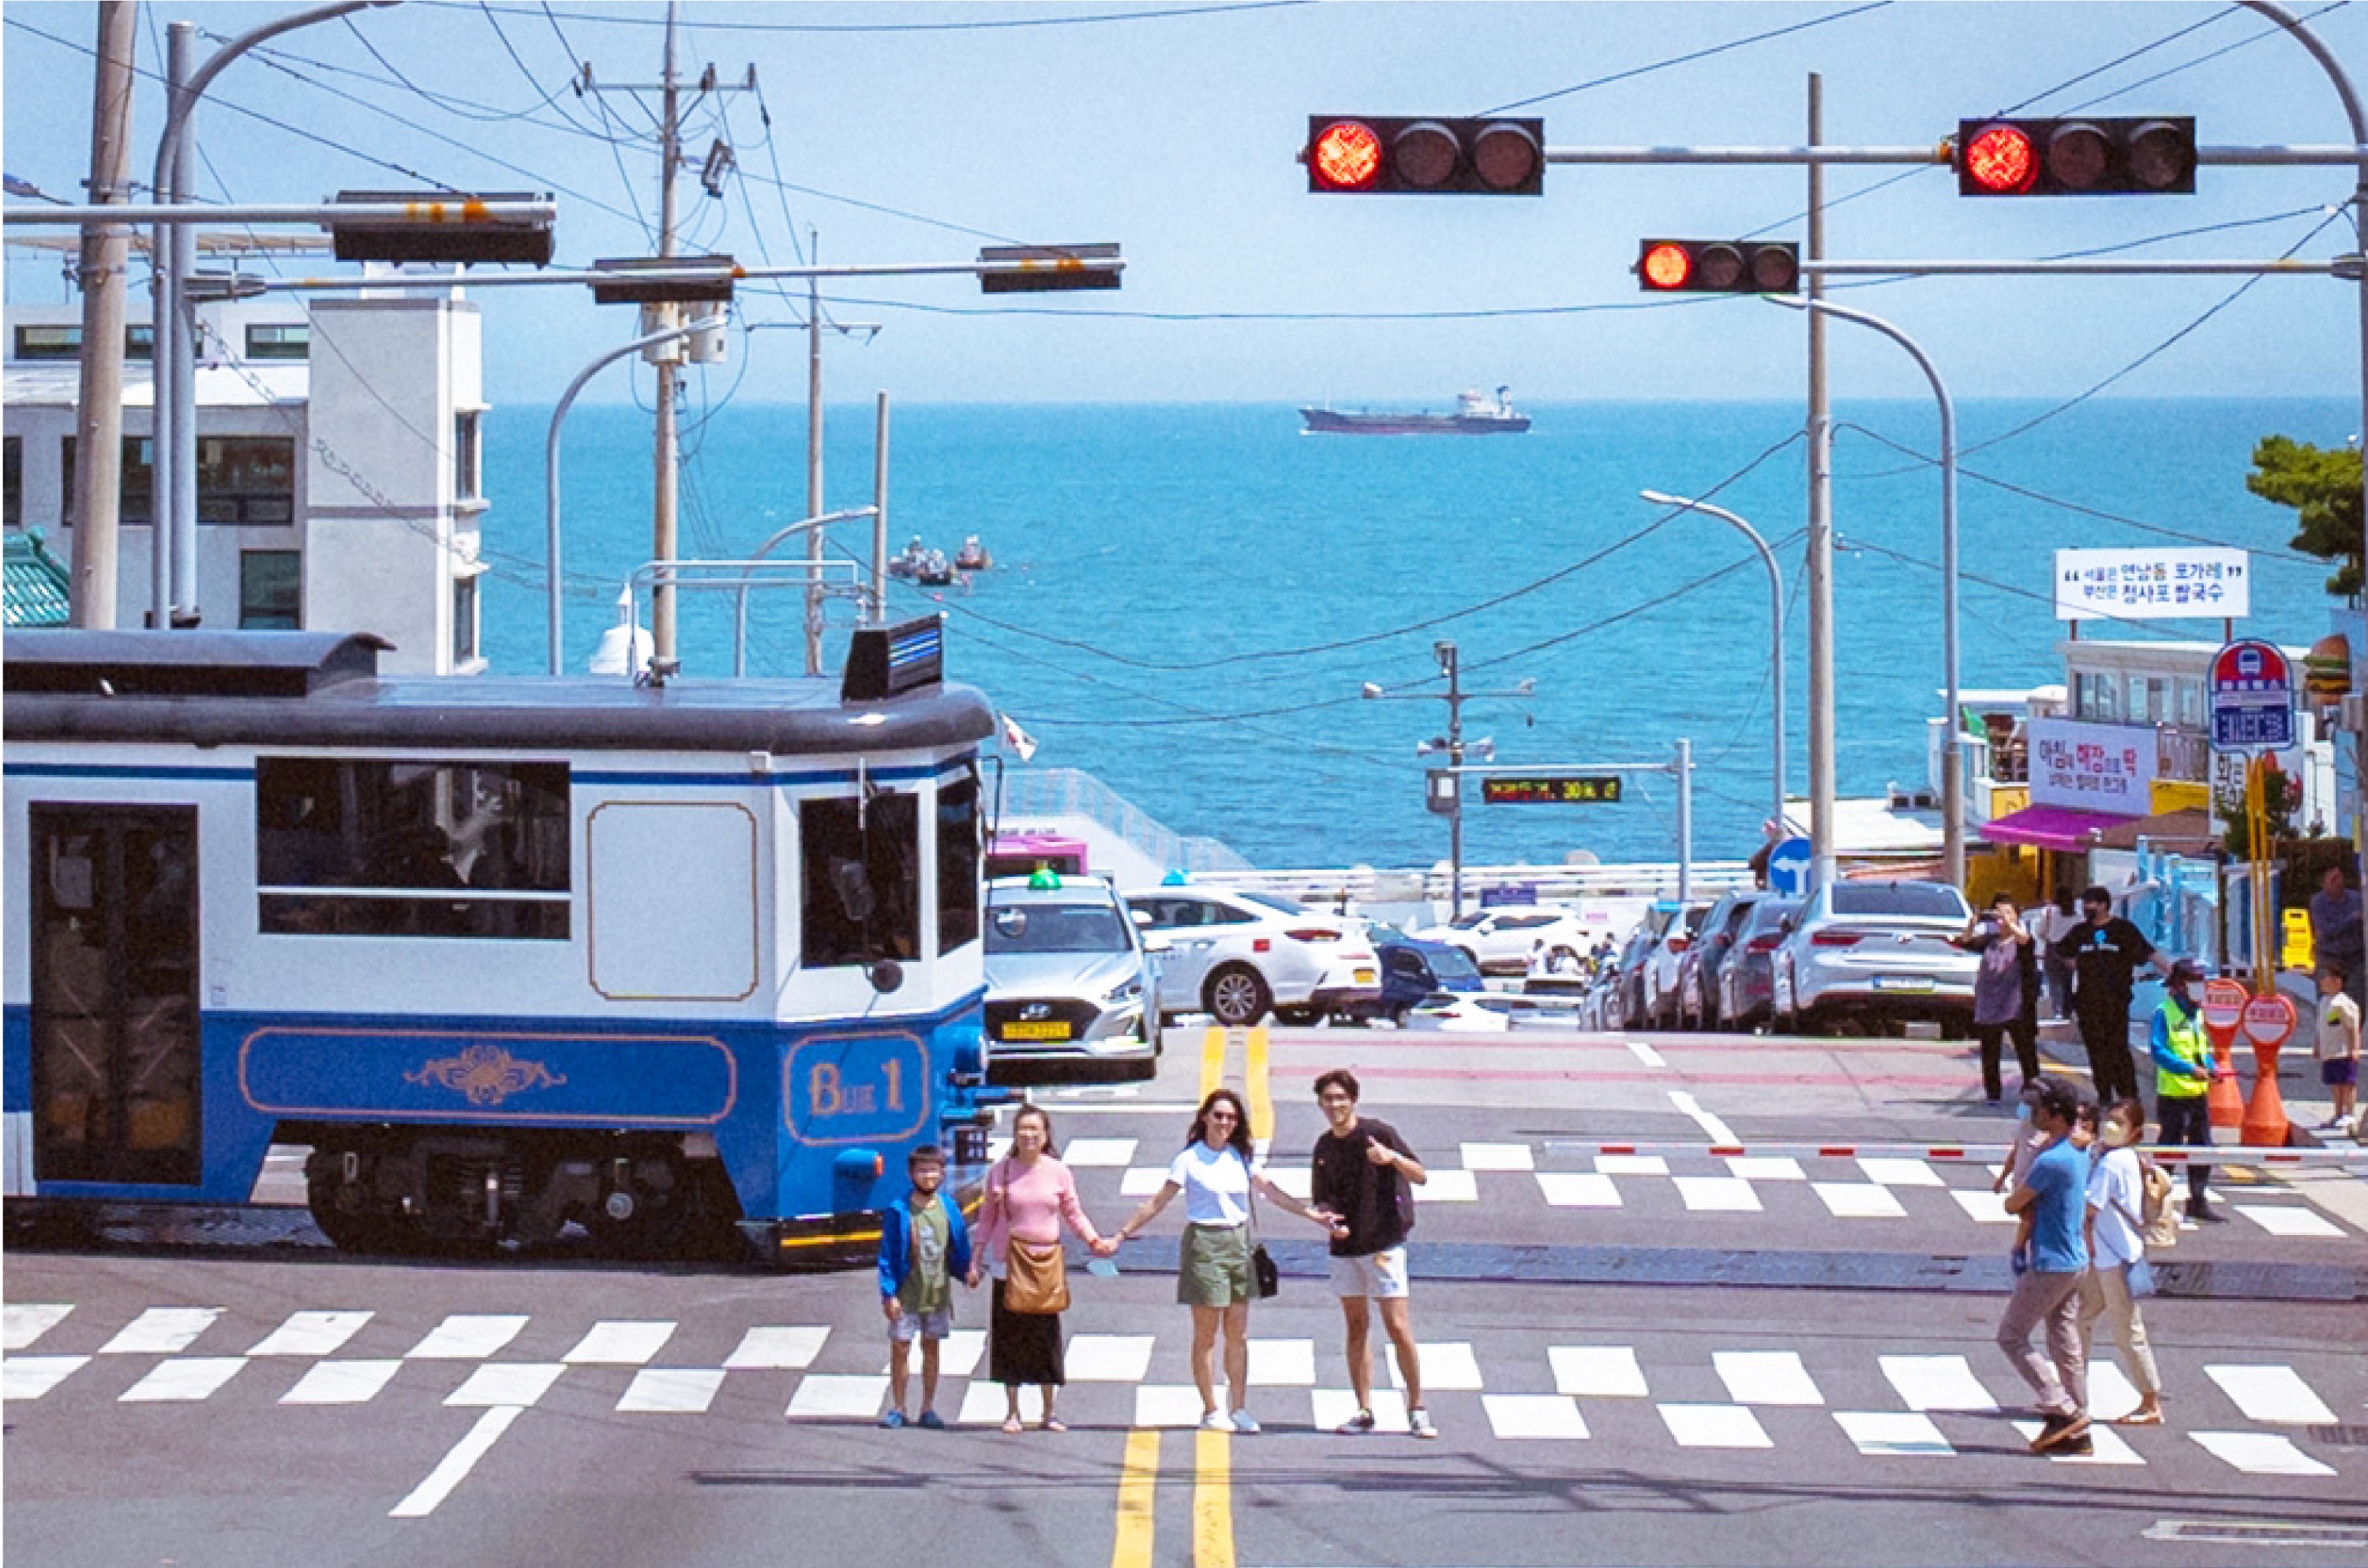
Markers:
<point>814,460</point>
<point>105,253</point>
<point>667,352</point>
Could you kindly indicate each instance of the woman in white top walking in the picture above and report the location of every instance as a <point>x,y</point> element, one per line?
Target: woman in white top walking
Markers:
<point>2116,1202</point>
<point>1216,1173</point>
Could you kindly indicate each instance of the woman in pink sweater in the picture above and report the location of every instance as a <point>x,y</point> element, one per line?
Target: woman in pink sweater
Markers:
<point>1029,1194</point>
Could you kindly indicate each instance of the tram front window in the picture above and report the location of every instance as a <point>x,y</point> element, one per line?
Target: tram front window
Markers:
<point>861,865</point>
<point>958,858</point>
<point>345,847</point>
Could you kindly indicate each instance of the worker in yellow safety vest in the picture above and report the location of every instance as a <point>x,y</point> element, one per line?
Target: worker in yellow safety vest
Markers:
<point>2182,1077</point>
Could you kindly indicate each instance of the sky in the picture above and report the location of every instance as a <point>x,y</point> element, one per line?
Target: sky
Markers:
<point>887,133</point>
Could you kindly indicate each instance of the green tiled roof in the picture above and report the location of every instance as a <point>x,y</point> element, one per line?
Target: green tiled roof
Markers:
<point>39,591</point>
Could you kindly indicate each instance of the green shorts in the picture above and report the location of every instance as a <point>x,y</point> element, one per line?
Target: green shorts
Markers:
<point>1213,1267</point>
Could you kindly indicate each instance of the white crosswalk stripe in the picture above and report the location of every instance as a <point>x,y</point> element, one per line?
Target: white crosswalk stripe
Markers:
<point>1771,1398</point>
<point>23,1322</point>
<point>1579,1189</point>
<point>1718,1194</point>
<point>161,1330</point>
<point>1858,1200</point>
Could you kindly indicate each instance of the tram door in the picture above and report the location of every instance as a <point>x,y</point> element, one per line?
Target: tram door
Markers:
<point>115,993</point>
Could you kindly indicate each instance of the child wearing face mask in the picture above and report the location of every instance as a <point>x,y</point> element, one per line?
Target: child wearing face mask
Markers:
<point>2116,1197</point>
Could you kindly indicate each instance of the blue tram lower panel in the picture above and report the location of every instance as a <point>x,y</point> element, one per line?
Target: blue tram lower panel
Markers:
<point>809,1120</point>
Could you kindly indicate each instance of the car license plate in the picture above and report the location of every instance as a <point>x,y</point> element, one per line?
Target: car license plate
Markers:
<point>1365,977</point>
<point>1055,1029</point>
<point>1903,982</point>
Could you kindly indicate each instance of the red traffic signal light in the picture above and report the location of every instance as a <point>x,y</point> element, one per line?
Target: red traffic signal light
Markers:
<point>1437,156</point>
<point>2137,156</point>
<point>1718,266</point>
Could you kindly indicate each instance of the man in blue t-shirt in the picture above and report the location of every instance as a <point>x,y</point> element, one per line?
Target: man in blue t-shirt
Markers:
<point>2051,1255</point>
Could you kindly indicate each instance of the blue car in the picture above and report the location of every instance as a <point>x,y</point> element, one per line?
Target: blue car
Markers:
<point>1412,970</point>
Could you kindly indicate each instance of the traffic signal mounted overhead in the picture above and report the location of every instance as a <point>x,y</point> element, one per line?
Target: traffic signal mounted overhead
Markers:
<point>1719,267</point>
<point>2145,156</point>
<point>1425,155</point>
<point>442,227</point>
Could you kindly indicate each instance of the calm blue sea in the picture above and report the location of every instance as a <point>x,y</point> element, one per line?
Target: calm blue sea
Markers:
<point>1186,599</point>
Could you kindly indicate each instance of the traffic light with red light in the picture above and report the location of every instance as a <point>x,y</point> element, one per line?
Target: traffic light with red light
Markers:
<point>1431,156</point>
<point>1718,266</point>
<point>2142,156</point>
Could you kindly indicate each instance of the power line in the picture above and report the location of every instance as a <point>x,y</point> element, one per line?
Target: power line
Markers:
<point>1688,57</point>
<point>614,18</point>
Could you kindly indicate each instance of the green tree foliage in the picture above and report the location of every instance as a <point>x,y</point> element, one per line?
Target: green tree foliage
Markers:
<point>2322,485</point>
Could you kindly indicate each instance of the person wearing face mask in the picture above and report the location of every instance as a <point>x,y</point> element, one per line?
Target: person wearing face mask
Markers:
<point>2182,1078</point>
<point>2116,1198</point>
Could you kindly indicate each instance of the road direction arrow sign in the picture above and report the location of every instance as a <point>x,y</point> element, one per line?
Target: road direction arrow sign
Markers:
<point>1788,867</point>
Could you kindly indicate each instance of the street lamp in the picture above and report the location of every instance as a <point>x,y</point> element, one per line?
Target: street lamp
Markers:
<point>172,250</point>
<point>1455,697</point>
<point>1775,630</point>
<point>1952,784</point>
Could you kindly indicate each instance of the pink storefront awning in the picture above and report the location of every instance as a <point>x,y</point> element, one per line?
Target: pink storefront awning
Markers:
<point>2053,827</point>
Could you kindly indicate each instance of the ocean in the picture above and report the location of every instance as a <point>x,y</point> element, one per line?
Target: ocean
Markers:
<point>1187,600</point>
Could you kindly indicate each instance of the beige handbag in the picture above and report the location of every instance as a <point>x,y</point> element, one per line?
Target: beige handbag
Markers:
<point>1036,1278</point>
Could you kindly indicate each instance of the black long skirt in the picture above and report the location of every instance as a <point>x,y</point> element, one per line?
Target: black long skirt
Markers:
<point>1023,1348</point>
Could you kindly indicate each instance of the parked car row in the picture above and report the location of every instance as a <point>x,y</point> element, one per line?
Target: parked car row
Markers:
<point>1855,955</point>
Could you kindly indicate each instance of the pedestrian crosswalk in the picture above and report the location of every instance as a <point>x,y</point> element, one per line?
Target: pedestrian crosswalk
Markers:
<point>1839,1187</point>
<point>1536,1386</point>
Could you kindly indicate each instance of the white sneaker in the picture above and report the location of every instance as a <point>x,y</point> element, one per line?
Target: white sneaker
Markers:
<point>1418,1420</point>
<point>1244,1422</point>
<point>1214,1421</point>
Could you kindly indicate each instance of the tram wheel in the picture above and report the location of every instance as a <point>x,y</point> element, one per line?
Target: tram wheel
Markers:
<point>357,1229</point>
<point>657,1213</point>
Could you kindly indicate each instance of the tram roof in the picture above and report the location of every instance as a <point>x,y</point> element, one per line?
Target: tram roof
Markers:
<point>321,689</point>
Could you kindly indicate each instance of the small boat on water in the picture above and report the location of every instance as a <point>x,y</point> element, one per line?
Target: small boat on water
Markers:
<point>906,564</point>
<point>1476,414</point>
<point>972,556</point>
<point>933,569</point>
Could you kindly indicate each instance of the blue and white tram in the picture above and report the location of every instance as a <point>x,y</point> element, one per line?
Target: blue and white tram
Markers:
<point>503,954</point>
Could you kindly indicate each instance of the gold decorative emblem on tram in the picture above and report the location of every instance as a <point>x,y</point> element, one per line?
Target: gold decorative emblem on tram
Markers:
<point>487,1074</point>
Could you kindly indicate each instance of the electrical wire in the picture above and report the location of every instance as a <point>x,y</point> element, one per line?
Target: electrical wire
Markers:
<point>616,18</point>
<point>1688,57</point>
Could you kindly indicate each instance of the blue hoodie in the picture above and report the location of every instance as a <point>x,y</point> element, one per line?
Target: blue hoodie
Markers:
<point>897,1244</point>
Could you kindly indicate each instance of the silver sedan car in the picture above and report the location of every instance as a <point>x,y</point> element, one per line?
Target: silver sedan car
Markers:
<point>1071,989</point>
<point>1876,953</point>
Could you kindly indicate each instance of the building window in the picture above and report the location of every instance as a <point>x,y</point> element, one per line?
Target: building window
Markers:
<point>958,858</point>
<point>860,865</point>
<point>281,340</point>
<point>464,621</point>
<point>2190,703</point>
<point>363,847</point>
<point>270,590</point>
<point>65,341</point>
<point>12,481</point>
<point>247,479</point>
<point>135,498</point>
<point>468,466</point>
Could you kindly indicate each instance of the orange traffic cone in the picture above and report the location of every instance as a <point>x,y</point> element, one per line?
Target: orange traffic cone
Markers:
<point>2226,1101</point>
<point>2265,1124</point>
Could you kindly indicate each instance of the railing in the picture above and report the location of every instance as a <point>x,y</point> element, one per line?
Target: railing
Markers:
<point>1030,792</point>
<point>1553,884</point>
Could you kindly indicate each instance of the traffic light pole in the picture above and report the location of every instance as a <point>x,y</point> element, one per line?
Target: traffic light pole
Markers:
<point>2359,122</point>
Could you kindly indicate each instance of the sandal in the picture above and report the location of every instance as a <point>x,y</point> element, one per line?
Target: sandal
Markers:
<point>1011,1425</point>
<point>1054,1424</point>
<point>2140,1418</point>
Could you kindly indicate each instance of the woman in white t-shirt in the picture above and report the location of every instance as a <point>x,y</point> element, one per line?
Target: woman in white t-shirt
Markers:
<point>1216,1174</point>
<point>2117,1203</point>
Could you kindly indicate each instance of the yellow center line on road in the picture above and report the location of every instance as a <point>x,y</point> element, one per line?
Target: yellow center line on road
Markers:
<point>1213,1499</point>
<point>1136,1480</point>
<point>1213,1061</point>
<point>1262,1095</point>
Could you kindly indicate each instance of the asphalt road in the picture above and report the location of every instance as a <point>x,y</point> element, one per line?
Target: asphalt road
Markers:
<point>1610,1386</point>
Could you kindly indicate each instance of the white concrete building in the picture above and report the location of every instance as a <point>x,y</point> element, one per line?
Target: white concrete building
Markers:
<point>339,472</point>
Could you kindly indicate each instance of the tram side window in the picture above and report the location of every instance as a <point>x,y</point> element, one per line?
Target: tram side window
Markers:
<point>861,872</point>
<point>347,846</point>
<point>958,858</point>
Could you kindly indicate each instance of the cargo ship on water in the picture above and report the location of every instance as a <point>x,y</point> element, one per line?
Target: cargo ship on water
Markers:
<point>1476,414</point>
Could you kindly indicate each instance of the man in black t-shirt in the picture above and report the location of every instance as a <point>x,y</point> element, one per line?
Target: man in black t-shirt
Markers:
<point>2105,951</point>
<point>1359,1175</point>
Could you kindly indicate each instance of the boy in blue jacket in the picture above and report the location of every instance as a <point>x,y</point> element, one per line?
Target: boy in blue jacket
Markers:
<point>924,1248</point>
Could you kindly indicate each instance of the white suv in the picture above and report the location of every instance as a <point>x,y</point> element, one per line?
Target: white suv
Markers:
<point>1235,955</point>
<point>1498,939</point>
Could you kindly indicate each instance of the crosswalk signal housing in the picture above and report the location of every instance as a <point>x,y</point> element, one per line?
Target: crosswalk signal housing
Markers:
<point>1718,266</point>
<point>441,227</point>
<point>2150,155</point>
<point>1431,156</point>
